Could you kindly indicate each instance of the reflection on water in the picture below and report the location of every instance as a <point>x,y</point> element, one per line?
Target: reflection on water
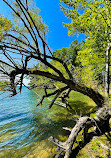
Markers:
<point>24,129</point>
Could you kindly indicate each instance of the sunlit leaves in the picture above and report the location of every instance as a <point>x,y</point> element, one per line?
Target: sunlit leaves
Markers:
<point>5,25</point>
<point>93,19</point>
<point>86,15</point>
<point>69,54</point>
<point>34,12</point>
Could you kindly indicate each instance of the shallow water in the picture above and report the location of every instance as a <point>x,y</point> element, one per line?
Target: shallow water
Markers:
<point>25,128</point>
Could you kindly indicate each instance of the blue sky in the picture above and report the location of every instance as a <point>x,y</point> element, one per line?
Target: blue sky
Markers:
<point>53,17</point>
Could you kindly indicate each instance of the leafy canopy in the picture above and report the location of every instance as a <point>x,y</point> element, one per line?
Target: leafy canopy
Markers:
<point>93,19</point>
<point>87,16</point>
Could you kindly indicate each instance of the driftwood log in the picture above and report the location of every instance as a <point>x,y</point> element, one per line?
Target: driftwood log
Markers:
<point>100,123</point>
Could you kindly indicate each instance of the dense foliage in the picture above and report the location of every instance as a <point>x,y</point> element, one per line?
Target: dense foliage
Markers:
<point>93,19</point>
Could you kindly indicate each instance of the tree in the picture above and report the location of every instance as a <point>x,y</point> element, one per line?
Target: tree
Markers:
<point>29,46</point>
<point>27,51</point>
<point>92,18</point>
<point>69,56</point>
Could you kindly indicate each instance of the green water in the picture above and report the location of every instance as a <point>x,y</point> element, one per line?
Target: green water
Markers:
<point>25,128</point>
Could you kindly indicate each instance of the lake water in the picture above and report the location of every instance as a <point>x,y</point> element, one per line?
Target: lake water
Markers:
<point>25,128</point>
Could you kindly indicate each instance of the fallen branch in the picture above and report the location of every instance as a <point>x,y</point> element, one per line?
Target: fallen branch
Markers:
<point>101,124</point>
<point>67,129</point>
<point>56,93</point>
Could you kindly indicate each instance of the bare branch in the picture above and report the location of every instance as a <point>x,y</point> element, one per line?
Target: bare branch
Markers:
<point>57,92</point>
<point>54,99</point>
<point>44,43</point>
<point>57,142</point>
<point>102,118</point>
<point>10,59</point>
<point>7,64</point>
<point>21,41</point>
<point>48,64</point>
<point>14,46</point>
<point>26,5</point>
<point>20,18</point>
<point>21,82</point>
<point>63,63</point>
<point>67,129</point>
<point>35,39</point>
<point>21,35</point>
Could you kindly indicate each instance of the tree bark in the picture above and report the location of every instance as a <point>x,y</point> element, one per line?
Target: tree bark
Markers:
<point>74,133</point>
<point>107,73</point>
<point>101,124</point>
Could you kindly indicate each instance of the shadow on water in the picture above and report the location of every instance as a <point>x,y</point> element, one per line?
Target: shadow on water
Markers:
<point>82,108</point>
<point>25,128</point>
<point>59,117</point>
<point>53,128</point>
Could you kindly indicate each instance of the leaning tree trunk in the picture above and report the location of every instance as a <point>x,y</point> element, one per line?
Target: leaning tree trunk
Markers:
<point>94,95</point>
<point>101,124</point>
